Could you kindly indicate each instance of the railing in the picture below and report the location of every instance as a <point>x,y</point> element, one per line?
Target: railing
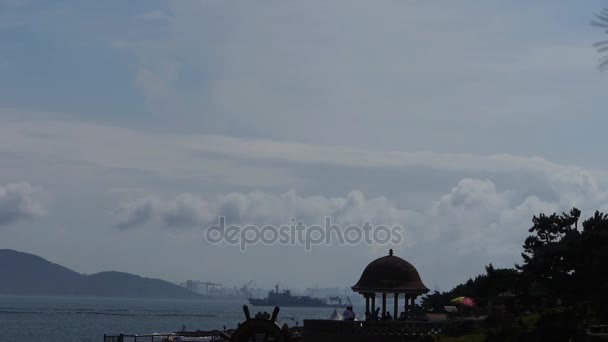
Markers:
<point>135,338</point>
<point>212,336</point>
<point>597,333</point>
<point>314,329</point>
<point>317,328</point>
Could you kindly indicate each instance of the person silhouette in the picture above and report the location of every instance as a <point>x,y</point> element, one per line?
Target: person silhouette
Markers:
<point>375,314</point>
<point>349,314</point>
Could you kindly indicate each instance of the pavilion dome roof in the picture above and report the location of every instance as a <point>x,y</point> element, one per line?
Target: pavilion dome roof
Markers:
<point>390,274</point>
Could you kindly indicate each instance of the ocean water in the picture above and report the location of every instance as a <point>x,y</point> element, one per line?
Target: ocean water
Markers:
<point>65,319</point>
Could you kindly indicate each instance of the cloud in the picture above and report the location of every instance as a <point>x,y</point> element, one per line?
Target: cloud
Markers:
<point>317,67</point>
<point>497,192</point>
<point>140,150</point>
<point>468,208</point>
<point>474,217</point>
<point>19,201</point>
<point>135,213</point>
<point>261,208</point>
<point>185,210</point>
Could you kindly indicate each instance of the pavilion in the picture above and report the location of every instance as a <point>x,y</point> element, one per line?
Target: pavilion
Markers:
<point>393,276</point>
<point>388,276</point>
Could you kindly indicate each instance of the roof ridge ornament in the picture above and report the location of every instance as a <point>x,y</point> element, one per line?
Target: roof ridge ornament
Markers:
<point>390,252</point>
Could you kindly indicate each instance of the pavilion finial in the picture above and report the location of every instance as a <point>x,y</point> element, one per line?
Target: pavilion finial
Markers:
<point>390,252</point>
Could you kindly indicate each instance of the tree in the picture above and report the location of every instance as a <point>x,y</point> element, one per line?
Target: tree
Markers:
<point>601,20</point>
<point>482,288</point>
<point>592,272</point>
<point>435,301</point>
<point>550,257</point>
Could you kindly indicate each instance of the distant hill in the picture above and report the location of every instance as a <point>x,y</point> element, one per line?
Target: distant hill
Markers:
<point>28,274</point>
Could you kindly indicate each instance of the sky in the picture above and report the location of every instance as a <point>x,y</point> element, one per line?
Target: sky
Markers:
<point>127,128</point>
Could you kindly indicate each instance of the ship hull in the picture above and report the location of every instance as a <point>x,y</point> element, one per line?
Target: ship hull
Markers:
<point>286,299</point>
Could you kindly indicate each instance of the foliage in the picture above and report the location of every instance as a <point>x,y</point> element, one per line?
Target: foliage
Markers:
<point>565,266</point>
<point>558,324</point>
<point>482,288</point>
<point>602,46</point>
<point>563,278</point>
<point>550,256</point>
<point>591,273</point>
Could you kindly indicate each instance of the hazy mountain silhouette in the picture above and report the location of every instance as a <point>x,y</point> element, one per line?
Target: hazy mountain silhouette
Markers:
<point>27,274</point>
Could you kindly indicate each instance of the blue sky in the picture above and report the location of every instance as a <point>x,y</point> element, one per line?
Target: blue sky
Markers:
<point>67,57</point>
<point>59,58</point>
<point>458,122</point>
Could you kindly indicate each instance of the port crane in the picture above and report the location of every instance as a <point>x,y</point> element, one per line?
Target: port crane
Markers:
<point>208,284</point>
<point>338,299</point>
<point>195,285</point>
<point>245,289</point>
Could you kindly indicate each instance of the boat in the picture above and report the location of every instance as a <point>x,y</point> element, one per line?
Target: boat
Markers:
<point>284,298</point>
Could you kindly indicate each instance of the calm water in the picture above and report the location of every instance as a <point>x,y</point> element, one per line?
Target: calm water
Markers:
<point>59,319</point>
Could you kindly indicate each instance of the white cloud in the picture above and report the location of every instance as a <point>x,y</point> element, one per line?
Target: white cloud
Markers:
<point>474,217</point>
<point>117,147</point>
<point>259,208</point>
<point>20,201</point>
<point>479,212</point>
<point>476,212</point>
<point>136,213</point>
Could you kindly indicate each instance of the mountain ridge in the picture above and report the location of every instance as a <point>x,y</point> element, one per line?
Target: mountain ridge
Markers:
<point>29,274</point>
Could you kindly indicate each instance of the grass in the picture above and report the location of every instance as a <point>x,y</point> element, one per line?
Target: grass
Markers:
<point>529,321</point>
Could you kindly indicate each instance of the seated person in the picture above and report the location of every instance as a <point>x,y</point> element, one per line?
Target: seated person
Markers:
<point>349,314</point>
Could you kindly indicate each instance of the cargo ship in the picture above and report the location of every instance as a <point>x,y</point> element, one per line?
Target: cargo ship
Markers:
<point>284,298</point>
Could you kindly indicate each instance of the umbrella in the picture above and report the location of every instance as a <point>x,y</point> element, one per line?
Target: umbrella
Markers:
<point>469,302</point>
<point>457,300</point>
<point>464,301</point>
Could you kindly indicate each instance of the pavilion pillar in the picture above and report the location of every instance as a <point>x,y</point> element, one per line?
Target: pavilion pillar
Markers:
<point>384,303</point>
<point>407,298</point>
<point>413,304</point>
<point>367,302</point>
<point>373,301</point>
<point>396,306</point>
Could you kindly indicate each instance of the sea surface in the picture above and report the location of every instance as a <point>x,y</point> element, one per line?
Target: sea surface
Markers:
<point>65,319</point>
